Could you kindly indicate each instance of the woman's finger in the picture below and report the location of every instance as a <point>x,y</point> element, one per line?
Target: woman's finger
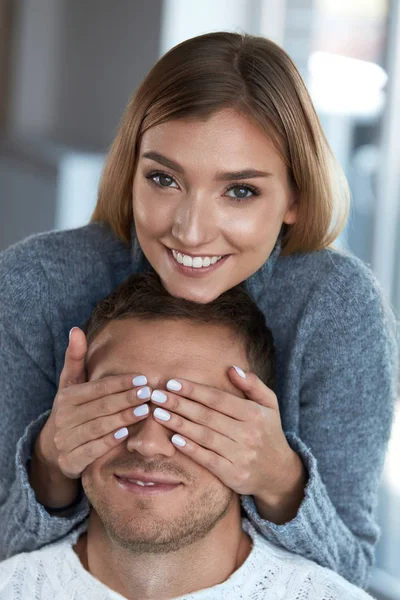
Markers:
<point>213,462</point>
<point>71,415</point>
<point>75,440</point>
<point>212,397</point>
<point>99,388</point>
<point>74,366</point>
<point>203,435</point>
<point>201,414</point>
<point>228,403</point>
<point>253,387</point>
<point>74,463</point>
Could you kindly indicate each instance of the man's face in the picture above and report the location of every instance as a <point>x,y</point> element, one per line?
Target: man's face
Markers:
<point>161,350</point>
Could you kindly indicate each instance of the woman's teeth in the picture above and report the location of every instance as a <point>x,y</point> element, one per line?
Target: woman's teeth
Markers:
<point>196,261</point>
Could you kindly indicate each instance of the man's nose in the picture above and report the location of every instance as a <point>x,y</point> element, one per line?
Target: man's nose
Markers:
<point>194,224</point>
<point>150,438</point>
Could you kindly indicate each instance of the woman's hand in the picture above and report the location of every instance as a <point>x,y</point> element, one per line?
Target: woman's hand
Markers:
<point>240,440</point>
<point>86,415</point>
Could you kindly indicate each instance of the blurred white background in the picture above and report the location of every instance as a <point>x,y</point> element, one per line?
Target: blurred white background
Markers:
<point>67,68</point>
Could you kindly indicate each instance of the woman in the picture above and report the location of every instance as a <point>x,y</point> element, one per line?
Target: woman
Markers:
<point>220,173</point>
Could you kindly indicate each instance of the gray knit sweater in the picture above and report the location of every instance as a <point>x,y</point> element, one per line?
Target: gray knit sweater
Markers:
<point>336,374</point>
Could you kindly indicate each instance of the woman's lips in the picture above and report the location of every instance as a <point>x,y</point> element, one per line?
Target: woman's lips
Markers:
<point>192,271</point>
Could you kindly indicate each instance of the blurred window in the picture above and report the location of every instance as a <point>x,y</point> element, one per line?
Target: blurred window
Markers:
<point>346,51</point>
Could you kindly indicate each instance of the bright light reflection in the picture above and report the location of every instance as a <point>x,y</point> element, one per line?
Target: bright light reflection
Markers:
<point>344,85</point>
<point>392,471</point>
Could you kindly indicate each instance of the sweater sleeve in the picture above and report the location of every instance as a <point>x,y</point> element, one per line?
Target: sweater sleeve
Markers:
<point>347,391</point>
<point>27,391</point>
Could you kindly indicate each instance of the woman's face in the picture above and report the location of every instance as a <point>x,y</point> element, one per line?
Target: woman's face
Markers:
<point>187,199</point>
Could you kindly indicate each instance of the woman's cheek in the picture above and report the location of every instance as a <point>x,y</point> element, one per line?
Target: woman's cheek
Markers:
<point>254,226</point>
<point>153,214</point>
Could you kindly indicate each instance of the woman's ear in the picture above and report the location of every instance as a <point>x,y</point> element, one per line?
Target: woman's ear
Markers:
<point>290,216</point>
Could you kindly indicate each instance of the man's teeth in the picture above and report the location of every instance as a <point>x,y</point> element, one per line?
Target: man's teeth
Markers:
<point>141,482</point>
<point>196,261</point>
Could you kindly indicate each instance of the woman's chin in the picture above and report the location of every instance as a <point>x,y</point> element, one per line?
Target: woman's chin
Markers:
<point>194,293</point>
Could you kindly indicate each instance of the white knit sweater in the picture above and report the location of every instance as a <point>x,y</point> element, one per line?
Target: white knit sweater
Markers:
<point>56,573</point>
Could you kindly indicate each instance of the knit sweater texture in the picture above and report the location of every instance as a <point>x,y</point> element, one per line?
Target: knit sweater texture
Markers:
<point>335,339</point>
<point>268,573</point>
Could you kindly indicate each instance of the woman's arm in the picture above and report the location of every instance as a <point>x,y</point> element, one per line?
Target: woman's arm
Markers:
<point>348,385</point>
<point>27,384</point>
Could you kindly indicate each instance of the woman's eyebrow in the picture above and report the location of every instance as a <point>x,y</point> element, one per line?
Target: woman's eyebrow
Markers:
<point>245,174</point>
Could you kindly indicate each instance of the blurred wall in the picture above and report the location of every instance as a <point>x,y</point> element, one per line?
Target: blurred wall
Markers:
<point>73,67</point>
<point>28,184</point>
<point>75,64</point>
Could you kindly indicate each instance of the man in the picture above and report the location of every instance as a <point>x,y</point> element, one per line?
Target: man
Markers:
<point>185,536</point>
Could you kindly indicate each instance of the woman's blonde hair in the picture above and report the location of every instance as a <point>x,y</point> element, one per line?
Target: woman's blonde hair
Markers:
<point>256,77</point>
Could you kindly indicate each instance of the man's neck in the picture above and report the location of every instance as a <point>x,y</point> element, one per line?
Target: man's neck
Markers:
<point>203,564</point>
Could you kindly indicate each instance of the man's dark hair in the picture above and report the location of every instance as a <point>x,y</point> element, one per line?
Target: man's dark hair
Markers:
<point>143,296</point>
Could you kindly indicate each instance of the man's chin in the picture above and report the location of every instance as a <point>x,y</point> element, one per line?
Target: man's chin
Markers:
<point>156,525</point>
<point>155,533</point>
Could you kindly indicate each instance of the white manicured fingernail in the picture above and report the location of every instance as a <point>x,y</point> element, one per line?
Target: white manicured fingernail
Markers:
<point>158,396</point>
<point>71,331</point>
<point>174,385</point>
<point>141,410</point>
<point>143,393</point>
<point>178,440</point>
<point>139,380</point>
<point>240,372</point>
<point>162,414</point>
<point>121,433</point>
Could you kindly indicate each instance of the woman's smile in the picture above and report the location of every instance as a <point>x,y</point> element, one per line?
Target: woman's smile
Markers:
<point>188,265</point>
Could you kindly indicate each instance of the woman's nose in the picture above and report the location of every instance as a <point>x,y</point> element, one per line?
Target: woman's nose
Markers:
<point>150,438</point>
<point>193,224</point>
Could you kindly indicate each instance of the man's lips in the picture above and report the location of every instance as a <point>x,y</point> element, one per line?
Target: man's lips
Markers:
<point>148,478</point>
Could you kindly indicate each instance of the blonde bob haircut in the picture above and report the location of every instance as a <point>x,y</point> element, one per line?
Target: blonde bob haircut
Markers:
<point>255,77</point>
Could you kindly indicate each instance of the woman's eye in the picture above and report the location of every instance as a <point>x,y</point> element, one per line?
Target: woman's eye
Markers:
<point>163,179</point>
<point>242,192</point>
